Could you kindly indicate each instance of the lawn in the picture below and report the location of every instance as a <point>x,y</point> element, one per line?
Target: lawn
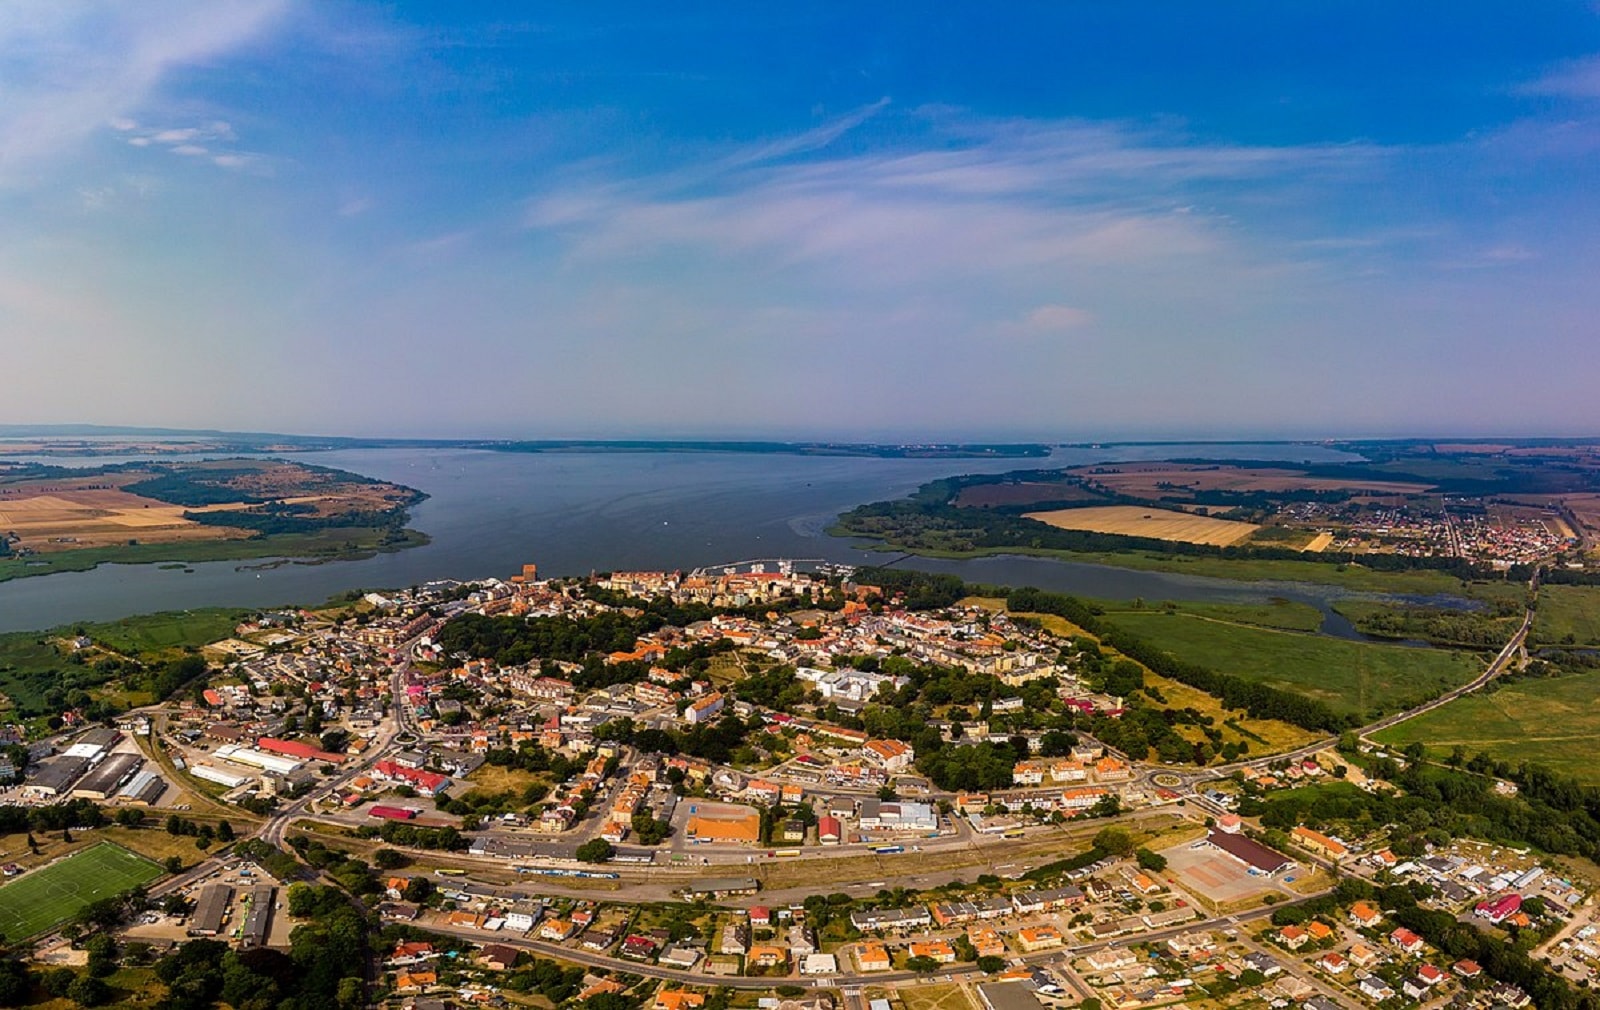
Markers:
<point>935,997</point>
<point>498,779</point>
<point>1550,721</point>
<point>1357,677</point>
<point>155,843</point>
<point>1567,615</point>
<point>43,898</point>
<point>166,632</point>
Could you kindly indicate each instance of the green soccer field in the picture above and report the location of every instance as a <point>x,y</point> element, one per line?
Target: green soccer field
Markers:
<point>45,897</point>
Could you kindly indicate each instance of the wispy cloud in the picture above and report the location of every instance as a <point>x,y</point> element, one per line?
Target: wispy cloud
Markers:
<point>814,139</point>
<point>1573,79</point>
<point>1056,318</point>
<point>67,69</point>
<point>984,200</point>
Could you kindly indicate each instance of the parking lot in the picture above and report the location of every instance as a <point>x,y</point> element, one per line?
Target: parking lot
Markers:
<point>1212,874</point>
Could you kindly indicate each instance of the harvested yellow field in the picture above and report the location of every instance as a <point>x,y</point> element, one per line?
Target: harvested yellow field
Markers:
<point>96,517</point>
<point>1158,524</point>
<point>1319,543</point>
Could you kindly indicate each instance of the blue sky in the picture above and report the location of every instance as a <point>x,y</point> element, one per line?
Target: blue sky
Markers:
<point>1052,220</point>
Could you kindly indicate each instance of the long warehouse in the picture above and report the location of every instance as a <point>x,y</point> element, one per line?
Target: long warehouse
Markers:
<point>107,777</point>
<point>258,919</point>
<point>210,910</point>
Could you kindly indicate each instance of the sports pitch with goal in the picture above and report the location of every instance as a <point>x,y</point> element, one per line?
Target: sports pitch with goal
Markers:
<point>50,895</point>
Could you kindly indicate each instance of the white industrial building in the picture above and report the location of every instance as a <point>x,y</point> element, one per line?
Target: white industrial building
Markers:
<point>855,685</point>
<point>252,758</point>
<point>230,780</point>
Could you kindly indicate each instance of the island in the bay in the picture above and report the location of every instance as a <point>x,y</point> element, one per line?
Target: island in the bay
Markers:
<point>55,519</point>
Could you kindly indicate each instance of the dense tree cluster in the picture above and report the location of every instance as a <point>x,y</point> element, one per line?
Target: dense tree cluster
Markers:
<point>413,836</point>
<point>922,590</point>
<point>777,689</point>
<point>51,817</point>
<point>1550,812</point>
<point>1468,629</point>
<point>513,641</point>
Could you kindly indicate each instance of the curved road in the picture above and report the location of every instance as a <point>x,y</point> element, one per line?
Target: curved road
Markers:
<point>1190,780</point>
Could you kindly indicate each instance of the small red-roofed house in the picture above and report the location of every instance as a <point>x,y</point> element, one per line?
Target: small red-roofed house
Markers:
<point>1406,940</point>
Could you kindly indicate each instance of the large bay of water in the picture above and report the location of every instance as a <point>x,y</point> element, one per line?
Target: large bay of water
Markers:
<point>573,513</point>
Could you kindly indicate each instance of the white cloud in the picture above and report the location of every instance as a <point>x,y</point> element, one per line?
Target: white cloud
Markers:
<point>186,141</point>
<point>67,69</point>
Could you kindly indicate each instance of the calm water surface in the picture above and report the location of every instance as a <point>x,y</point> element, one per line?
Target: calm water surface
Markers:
<point>574,513</point>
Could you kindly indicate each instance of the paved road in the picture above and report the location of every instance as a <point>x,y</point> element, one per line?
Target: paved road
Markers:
<point>878,978</point>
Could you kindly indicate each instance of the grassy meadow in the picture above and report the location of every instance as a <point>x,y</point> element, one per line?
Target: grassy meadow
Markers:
<point>1550,721</point>
<point>1357,677</point>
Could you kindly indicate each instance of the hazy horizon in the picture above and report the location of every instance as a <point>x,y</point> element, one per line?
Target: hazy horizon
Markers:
<point>108,431</point>
<point>1064,223</point>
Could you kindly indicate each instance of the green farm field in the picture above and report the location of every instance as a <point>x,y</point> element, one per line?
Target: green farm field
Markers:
<point>1356,677</point>
<point>1549,721</point>
<point>32,662</point>
<point>1567,615</point>
<point>43,898</point>
<point>147,635</point>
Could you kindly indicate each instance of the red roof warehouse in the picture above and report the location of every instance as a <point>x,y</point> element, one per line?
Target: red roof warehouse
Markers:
<point>294,748</point>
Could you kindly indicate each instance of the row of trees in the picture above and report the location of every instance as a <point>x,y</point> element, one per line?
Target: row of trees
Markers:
<point>1259,700</point>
